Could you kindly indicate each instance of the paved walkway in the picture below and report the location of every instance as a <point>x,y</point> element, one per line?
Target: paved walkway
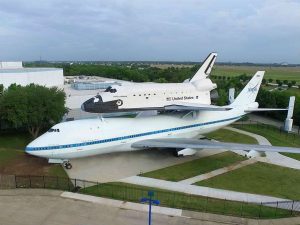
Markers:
<point>217,172</point>
<point>270,121</point>
<point>271,157</point>
<point>123,204</point>
<point>199,190</point>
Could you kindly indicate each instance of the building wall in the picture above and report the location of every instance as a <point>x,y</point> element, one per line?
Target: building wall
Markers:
<point>11,65</point>
<point>48,78</point>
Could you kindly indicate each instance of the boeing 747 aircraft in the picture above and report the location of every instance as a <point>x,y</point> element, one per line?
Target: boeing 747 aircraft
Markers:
<point>157,96</point>
<point>178,130</point>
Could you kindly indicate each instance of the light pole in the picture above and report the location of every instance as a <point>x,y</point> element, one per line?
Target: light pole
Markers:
<point>151,201</point>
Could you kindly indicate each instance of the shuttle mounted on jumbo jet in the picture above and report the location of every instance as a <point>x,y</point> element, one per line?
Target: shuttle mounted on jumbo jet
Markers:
<point>157,96</point>
<point>176,130</point>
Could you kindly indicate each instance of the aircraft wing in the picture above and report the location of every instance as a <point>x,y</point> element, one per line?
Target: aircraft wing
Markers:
<point>264,110</point>
<point>206,144</point>
<point>190,106</point>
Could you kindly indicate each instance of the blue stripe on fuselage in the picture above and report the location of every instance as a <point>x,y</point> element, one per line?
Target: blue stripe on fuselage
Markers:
<point>126,137</point>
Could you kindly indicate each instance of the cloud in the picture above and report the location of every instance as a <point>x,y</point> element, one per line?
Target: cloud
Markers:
<point>256,31</point>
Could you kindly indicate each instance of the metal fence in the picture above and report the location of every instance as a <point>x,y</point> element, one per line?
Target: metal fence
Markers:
<point>133,193</point>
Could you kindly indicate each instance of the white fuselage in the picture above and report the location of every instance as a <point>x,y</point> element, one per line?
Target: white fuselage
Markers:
<point>89,137</point>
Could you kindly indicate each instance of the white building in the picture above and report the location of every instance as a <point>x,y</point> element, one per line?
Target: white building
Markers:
<point>14,72</point>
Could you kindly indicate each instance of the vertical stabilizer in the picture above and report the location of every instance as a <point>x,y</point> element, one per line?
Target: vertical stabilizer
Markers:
<point>206,67</point>
<point>250,91</point>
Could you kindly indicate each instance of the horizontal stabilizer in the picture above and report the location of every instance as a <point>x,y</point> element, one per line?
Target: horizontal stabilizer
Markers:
<point>206,144</point>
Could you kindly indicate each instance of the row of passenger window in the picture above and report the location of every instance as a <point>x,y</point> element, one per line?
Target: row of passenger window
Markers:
<point>53,130</point>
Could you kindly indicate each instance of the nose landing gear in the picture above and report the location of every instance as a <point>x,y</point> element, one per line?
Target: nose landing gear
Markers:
<point>67,165</point>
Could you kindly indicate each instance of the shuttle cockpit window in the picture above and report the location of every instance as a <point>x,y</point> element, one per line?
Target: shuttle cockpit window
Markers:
<point>110,89</point>
<point>53,130</point>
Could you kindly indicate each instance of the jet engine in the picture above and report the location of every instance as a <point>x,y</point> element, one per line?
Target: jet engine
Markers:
<point>253,154</point>
<point>185,152</point>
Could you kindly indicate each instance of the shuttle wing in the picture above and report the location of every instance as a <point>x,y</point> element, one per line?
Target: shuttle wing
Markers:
<point>190,107</point>
<point>206,144</point>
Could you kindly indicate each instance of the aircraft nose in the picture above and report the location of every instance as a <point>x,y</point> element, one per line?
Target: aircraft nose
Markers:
<point>30,149</point>
<point>35,148</point>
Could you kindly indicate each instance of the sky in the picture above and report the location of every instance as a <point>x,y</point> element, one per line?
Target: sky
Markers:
<point>258,31</point>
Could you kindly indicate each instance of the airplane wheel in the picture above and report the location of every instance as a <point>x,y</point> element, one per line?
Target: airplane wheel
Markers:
<point>119,102</point>
<point>68,165</point>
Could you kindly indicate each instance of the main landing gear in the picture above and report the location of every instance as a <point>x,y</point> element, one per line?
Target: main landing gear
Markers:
<point>67,165</point>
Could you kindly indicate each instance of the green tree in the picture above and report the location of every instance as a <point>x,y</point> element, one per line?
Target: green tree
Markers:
<point>160,80</point>
<point>34,107</point>
<point>222,99</point>
<point>1,89</point>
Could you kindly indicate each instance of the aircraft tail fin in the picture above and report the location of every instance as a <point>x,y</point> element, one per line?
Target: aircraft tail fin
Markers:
<point>249,93</point>
<point>206,67</point>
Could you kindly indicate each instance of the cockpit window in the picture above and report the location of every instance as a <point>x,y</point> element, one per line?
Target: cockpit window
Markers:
<point>107,89</point>
<point>110,89</point>
<point>53,130</point>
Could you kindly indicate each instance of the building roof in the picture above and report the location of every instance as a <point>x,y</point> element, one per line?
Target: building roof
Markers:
<point>28,69</point>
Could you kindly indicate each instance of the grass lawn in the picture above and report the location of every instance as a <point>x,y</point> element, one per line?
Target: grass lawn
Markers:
<point>134,193</point>
<point>231,136</point>
<point>195,167</point>
<point>12,146</point>
<point>14,141</point>
<point>14,160</point>
<point>281,73</point>
<point>259,178</point>
<point>274,136</point>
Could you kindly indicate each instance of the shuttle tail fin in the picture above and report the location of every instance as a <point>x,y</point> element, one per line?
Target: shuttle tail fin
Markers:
<point>206,67</point>
<point>249,93</point>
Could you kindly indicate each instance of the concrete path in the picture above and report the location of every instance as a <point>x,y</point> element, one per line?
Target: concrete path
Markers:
<point>214,192</point>
<point>260,139</point>
<point>270,121</point>
<point>123,204</point>
<point>217,172</point>
<point>271,157</point>
<point>199,190</point>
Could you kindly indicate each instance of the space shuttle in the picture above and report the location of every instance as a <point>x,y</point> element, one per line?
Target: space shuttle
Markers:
<point>191,94</point>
